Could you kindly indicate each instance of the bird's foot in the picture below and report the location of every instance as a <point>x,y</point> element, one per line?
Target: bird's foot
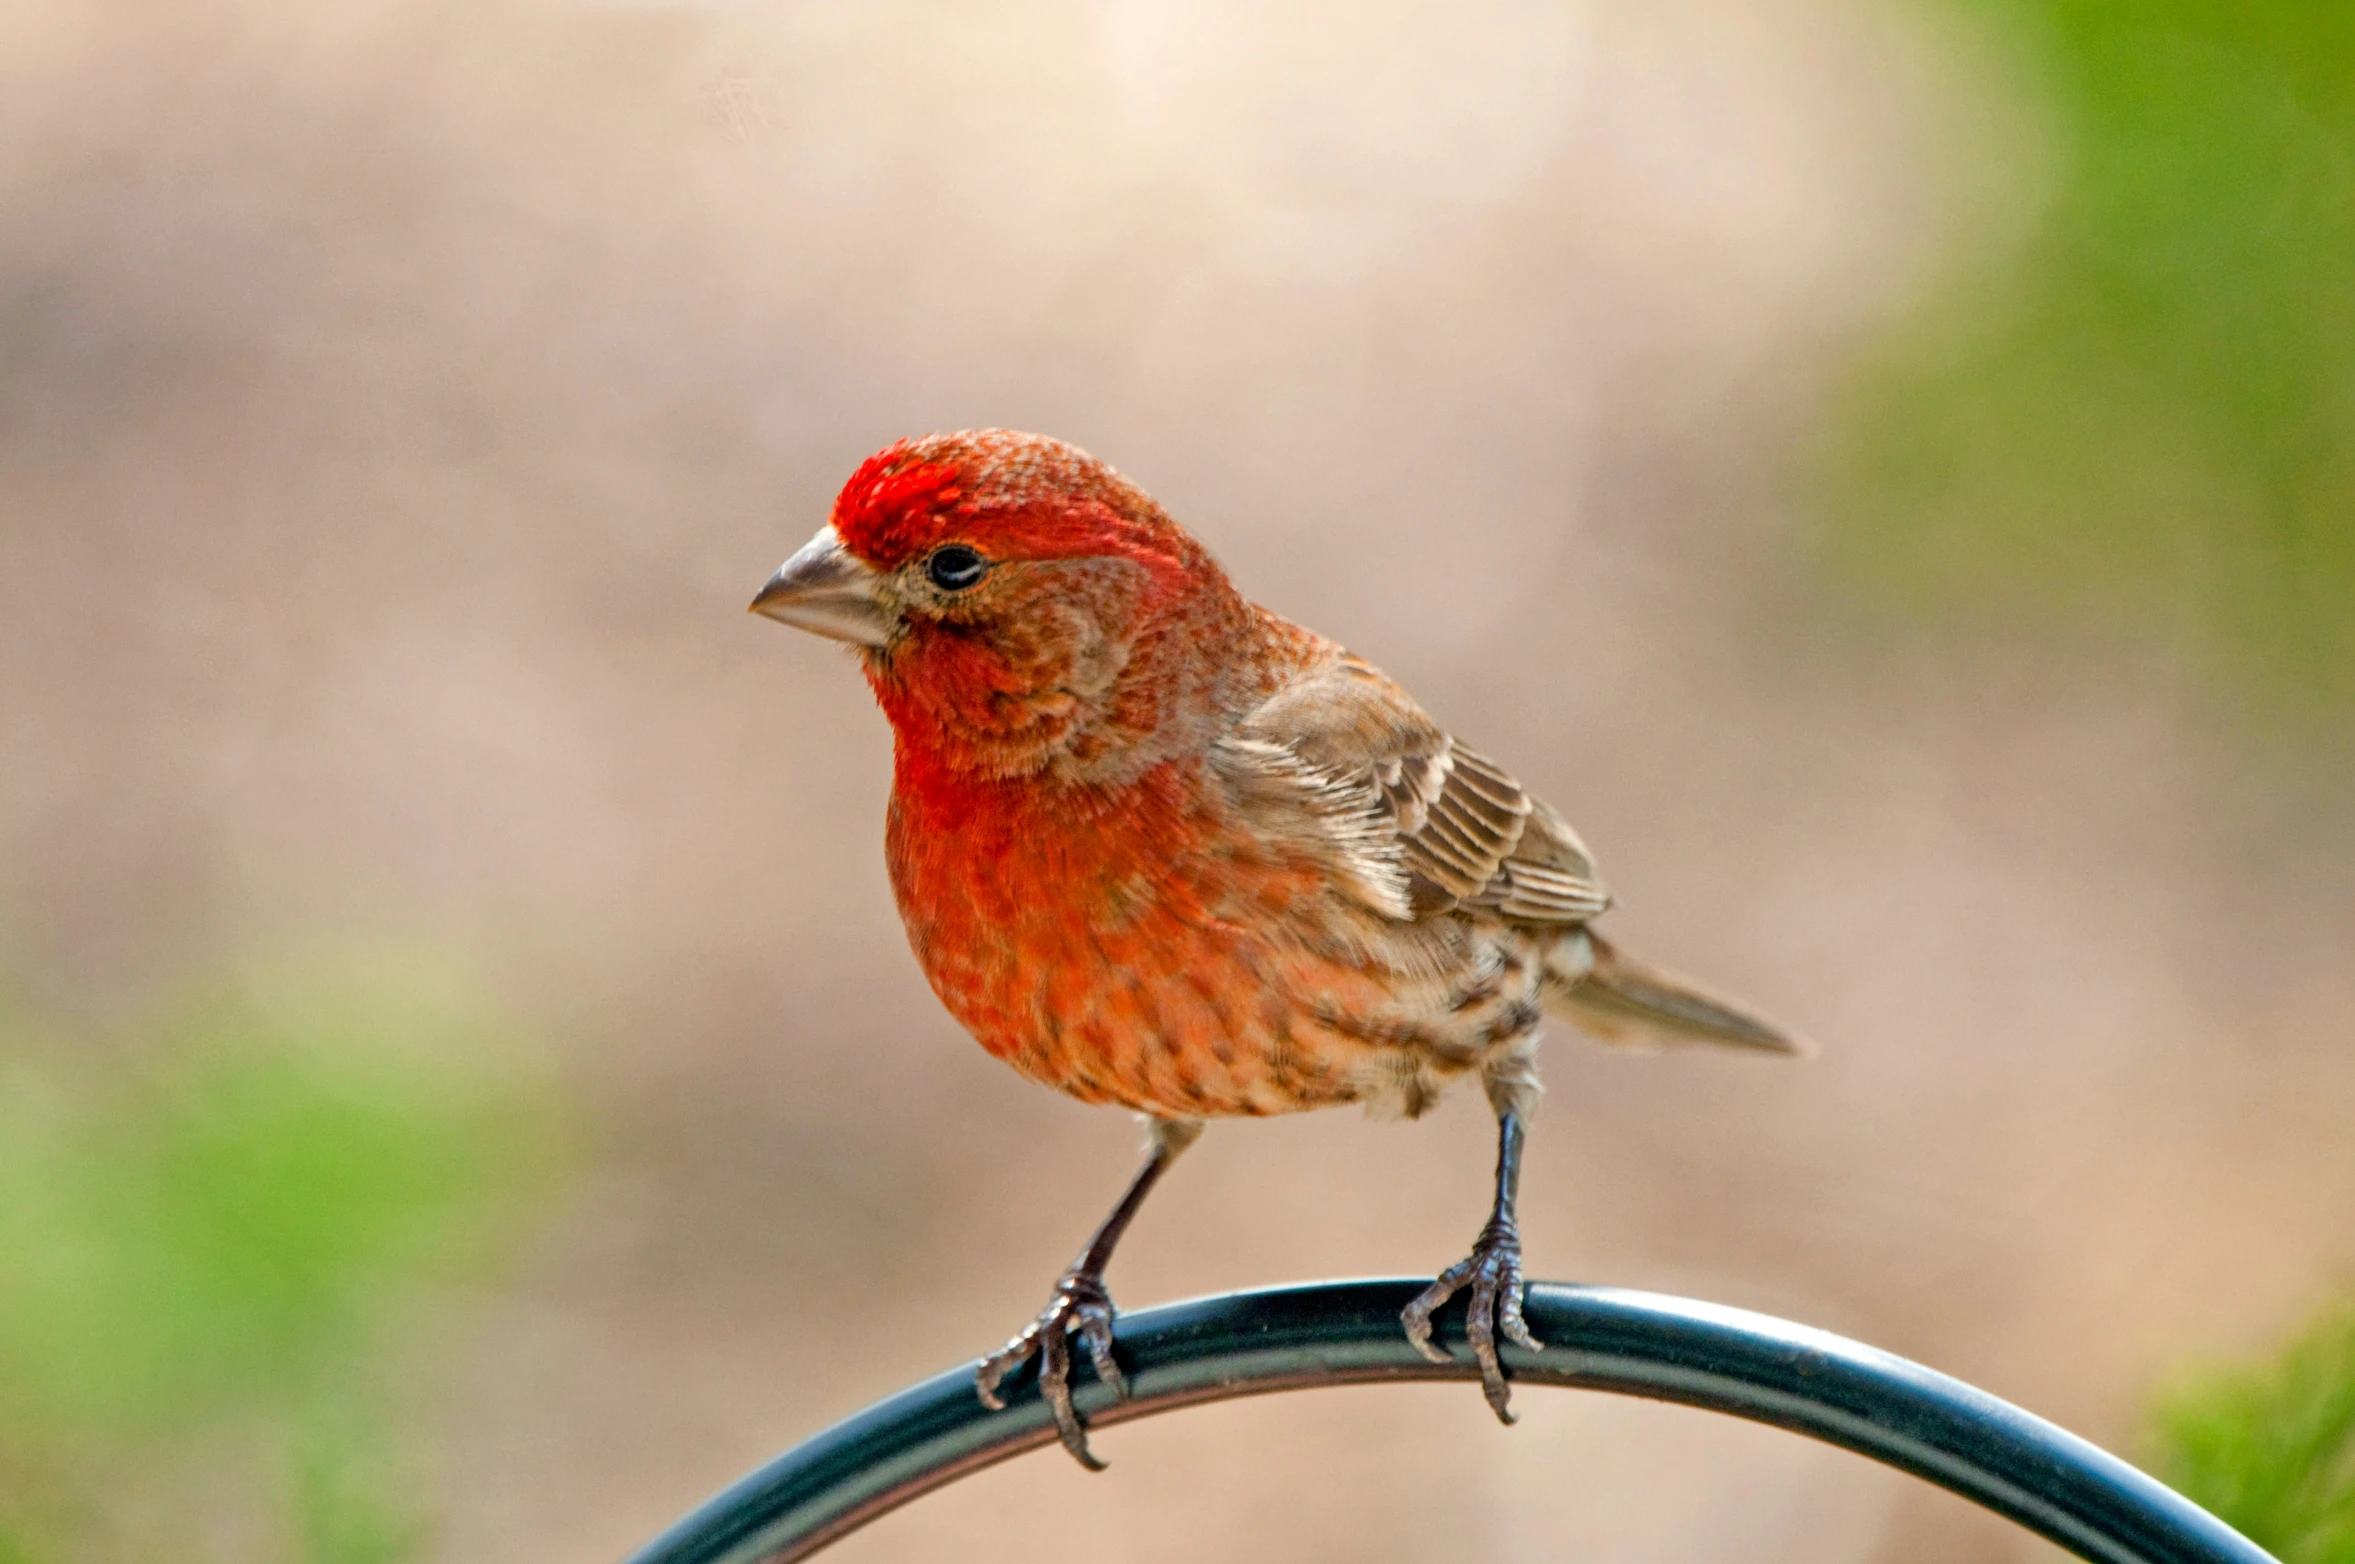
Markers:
<point>1082,1308</point>
<point>1493,1271</point>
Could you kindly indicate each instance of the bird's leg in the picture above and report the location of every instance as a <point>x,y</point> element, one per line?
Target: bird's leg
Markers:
<point>1081,1307</point>
<point>1494,1272</point>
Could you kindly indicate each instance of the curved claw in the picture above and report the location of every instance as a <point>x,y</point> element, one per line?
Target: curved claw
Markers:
<point>1080,1307</point>
<point>1054,1382</point>
<point>1480,1327</point>
<point>1002,1362</point>
<point>1417,1315</point>
<point>1095,1327</point>
<point>1494,1272</point>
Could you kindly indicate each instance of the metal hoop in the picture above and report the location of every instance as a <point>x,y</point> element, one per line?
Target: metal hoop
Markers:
<point>1597,1338</point>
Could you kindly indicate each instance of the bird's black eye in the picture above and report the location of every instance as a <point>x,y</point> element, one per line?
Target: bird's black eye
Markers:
<point>953,567</point>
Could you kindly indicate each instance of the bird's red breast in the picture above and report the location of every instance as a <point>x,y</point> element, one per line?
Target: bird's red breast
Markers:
<point>1111,941</point>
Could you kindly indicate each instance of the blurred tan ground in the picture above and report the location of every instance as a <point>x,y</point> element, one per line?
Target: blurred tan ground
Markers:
<point>399,403</point>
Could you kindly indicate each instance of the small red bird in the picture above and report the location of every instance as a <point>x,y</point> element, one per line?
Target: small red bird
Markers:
<point>1159,847</point>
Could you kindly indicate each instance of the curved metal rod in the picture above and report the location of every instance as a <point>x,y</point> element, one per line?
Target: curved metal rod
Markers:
<point>1597,1338</point>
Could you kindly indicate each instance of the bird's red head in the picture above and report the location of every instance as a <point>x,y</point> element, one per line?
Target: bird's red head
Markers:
<point>1010,496</point>
<point>1014,600</point>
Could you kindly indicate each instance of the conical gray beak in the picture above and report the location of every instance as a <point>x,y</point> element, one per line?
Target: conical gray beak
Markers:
<point>827,590</point>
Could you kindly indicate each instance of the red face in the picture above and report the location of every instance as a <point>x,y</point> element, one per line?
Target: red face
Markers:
<point>998,586</point>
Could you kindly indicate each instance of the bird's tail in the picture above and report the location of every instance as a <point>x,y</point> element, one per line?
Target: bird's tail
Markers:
<point>1617,999</point>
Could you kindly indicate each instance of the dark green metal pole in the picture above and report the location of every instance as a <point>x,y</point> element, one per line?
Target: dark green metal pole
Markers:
<point>1597,1338</point>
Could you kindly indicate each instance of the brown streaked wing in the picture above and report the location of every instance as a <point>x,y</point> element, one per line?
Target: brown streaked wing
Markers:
<point>1421,823</point>
<point>1549,878</point>
<point>1472,814</point>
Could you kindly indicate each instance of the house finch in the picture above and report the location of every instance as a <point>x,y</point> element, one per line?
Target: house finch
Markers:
<point>1157,846</point>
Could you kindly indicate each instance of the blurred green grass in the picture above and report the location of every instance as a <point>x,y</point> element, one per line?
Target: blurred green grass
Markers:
<point>2140,421</point>
<point>2270,1447</point>
<point>231,1241</point>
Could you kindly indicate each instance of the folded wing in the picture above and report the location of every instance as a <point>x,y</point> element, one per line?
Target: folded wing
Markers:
<point>1417,825</point>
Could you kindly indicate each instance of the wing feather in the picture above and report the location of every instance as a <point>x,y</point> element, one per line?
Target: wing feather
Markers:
<point>1416,823</point>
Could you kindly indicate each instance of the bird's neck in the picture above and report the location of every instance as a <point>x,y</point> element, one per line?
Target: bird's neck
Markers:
<point>1090,713</point>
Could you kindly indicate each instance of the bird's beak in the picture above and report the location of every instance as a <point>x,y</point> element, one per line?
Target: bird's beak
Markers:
<point>827,590</point>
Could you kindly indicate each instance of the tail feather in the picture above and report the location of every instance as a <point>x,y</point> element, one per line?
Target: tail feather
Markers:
<point>1620,1000</point>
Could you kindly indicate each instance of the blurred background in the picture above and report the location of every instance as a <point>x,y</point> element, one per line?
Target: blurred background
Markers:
<point>1884,468</point>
